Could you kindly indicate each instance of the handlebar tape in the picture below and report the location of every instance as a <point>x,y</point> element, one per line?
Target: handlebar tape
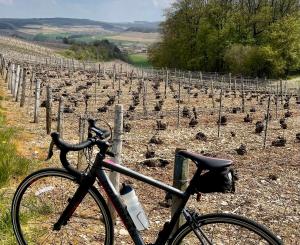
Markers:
<point>64,146</point>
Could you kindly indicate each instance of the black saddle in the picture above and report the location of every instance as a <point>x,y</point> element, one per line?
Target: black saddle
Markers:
<point>206,162</point>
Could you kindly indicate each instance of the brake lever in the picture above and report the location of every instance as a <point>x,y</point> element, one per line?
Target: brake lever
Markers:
<point>50,151</point>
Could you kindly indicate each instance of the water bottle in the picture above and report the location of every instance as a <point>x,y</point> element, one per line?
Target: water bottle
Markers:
<point>134,207</point>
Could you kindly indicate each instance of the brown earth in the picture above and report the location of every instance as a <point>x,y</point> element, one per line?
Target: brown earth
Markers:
<point>269,179</point>
<point>269,185</point>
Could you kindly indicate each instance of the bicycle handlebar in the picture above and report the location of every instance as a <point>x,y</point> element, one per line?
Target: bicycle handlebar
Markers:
<point>65,147</point>
<point>100,132</point>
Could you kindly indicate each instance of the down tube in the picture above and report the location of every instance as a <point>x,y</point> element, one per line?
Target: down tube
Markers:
<point>121,210</point>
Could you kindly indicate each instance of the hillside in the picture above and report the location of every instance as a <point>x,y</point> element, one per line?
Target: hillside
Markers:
<point>14,24</point>
<point>189,122</point>
<point>59,22</point>
<point>130,37</point>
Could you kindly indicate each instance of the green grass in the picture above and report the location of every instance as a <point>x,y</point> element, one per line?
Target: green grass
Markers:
<point>11,166</point>
<point>140,60</point>
<point>49,37</point>
<point>89,38</point>
<point>6,231</point>
<point>10,163</point>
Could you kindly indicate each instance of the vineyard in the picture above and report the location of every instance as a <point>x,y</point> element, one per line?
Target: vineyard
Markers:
<point>255,122</point>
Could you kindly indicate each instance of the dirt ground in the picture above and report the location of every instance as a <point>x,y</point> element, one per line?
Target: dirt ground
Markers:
<point>269,179</point>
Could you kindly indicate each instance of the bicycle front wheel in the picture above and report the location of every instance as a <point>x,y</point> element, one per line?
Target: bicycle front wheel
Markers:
<point>40,200</point>
<point>223,229</point>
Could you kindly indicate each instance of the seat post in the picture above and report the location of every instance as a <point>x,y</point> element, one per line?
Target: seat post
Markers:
<point>193,182</point>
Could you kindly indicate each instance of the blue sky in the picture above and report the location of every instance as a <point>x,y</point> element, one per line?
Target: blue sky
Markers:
<point>105,10</point>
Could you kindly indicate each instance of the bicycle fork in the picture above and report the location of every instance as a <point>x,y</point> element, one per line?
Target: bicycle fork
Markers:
<point>87,181</point>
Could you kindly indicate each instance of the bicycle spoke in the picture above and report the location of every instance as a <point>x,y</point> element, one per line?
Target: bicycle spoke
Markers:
<point>41,204</point>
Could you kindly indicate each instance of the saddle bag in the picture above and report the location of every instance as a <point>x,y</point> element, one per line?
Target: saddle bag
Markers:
<point>220,180</point>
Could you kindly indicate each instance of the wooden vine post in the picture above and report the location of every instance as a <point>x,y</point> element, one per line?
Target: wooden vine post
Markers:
<point>60,118</point>
<point>16,82</point>
<point>114,76</point>
<point>201,79</point>
<point>12,79</point>
<point>117,150</point>
<point>119,90</point>
<point>276,100</point>
<point>131,79</point>
<point>220,112</point>
<point>81,139</point>
<point>212,93</point>
<point>230,82</point>
<point>166,82</point>
<point>243,96</point>
<point>20,80</point>
<point>8,73</point>
<point>144,95</point>
<point>49,109</point>
<point>267,121</point>
<point>32,79</point>
<point>178,103</point>
<point>256,88</point>
<point>95,83</point>
<point>23,94</point>
<point>281,92</point>
<point>180,181</point>
<point>235,87</point>
<point>101,73</point>
<point>73,65</point>
<point>189,87</point>
<point>37,100</point>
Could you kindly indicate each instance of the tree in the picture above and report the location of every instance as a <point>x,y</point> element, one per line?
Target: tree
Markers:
<point>201,35</point>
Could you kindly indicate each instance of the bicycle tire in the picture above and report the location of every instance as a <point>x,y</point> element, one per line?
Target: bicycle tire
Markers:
<point>224,227</point>
<point>40,199</point>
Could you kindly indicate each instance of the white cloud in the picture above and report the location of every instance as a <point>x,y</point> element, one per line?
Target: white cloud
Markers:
<point>7,2</point>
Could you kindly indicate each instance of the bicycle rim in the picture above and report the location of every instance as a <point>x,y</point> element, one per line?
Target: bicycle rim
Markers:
<point>224,229</point>
<point>39,202</point>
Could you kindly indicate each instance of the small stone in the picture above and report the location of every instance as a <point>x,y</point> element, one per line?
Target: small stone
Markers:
<point>224,203</point>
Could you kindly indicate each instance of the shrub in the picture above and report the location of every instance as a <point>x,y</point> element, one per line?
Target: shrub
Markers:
<point>260,61</point>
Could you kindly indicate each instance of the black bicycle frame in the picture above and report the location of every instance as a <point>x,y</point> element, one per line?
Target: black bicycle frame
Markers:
<point>98,172</point>
<point>163,237</point>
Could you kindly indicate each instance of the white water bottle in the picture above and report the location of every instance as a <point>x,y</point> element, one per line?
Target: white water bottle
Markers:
<point>134,207</point>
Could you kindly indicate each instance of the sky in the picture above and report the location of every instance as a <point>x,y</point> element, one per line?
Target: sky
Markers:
<point>103,10</point>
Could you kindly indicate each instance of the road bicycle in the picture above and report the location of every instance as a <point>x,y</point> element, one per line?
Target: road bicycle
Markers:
<point>63,206</point>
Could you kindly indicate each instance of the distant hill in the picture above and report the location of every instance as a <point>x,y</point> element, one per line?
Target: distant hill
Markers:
<point>130,37</point>
<point>143,26</point>
<point>140,26</point>
<point>59,22</point>
<point>142,29</point>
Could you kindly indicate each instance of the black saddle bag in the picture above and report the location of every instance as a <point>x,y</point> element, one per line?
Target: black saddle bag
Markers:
<point>220,180</point>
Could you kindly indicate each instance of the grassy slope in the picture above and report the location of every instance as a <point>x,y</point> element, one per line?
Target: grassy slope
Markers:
<point>140,60</point>
<point>11,166</point>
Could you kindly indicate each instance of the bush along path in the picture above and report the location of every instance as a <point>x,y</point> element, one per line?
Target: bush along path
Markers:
<point>12,168</point>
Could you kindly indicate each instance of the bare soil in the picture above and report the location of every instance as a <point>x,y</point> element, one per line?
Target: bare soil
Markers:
<point>269,179</point>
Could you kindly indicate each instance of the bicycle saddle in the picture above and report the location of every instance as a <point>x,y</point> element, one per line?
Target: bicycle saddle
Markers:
<point>206,162</point>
